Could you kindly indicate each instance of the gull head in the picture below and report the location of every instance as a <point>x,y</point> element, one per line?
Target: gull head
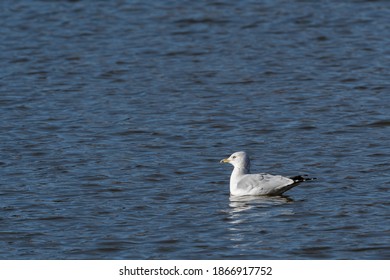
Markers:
<point>238,160</point>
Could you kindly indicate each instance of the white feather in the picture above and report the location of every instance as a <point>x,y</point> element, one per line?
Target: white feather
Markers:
<point>244,183</point>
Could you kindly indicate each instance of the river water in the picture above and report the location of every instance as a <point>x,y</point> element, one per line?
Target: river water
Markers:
<point>115,114</point>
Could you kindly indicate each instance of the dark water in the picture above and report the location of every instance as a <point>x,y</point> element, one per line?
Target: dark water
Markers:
<point>115,114</point>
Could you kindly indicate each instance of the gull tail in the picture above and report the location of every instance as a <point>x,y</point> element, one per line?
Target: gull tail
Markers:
<point>301,178</point>
<point>297,179</point>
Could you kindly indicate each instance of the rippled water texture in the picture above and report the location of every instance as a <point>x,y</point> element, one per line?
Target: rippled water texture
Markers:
<point>115,114</point>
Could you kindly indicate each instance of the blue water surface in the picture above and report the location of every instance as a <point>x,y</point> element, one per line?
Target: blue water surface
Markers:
<point>115,114</point>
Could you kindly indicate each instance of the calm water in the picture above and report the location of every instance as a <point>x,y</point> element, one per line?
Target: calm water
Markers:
<point>115,114</point>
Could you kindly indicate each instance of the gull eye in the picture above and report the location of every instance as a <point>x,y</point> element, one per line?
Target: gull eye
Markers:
<point>234,156</point>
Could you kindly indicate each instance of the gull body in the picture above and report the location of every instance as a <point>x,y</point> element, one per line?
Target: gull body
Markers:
<point>242,182</point>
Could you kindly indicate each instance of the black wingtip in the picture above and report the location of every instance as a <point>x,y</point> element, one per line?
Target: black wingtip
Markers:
<point>302,178</point>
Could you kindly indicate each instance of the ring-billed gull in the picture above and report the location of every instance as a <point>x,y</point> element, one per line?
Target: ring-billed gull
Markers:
<point>244,183</point>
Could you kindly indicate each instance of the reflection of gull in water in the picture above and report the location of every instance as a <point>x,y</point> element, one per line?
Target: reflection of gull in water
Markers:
<point>242,203</point>
<point>249,215</point>
<point>243,183</point>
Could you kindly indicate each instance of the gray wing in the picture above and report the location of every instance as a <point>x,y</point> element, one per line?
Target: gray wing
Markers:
<point>264,184</point>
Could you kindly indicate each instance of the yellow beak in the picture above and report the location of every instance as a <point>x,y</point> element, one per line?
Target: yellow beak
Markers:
<point>225,160</point>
